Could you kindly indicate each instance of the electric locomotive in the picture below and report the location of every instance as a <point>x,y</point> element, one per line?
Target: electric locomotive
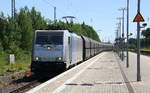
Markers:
<point>55,50</point>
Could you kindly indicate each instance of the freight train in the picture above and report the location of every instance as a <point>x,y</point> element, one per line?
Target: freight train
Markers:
<point>56,50</point>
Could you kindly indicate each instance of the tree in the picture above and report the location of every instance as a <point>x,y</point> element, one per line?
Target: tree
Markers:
<point>13,34</point>
<point>146,33</point>
<point>3,26</point>
<point>38,22</point>
<point>145,42</point>
<point>25,24</point>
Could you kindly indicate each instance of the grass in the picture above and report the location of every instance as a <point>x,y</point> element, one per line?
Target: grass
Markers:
<point>23,63</point>
<point>142,49</point>
<point>146,49</point>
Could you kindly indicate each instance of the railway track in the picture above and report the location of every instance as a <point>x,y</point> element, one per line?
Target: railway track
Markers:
<point>24,84</point>
<point>35,82</point>
<point>28,86</point>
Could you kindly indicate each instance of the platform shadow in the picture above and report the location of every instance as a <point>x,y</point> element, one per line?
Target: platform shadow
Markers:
<point>99,83</point>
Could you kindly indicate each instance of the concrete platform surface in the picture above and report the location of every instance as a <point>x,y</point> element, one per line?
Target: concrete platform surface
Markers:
<point>104,73</point>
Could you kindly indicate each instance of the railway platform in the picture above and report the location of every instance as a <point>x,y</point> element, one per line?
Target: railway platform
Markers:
<point>104,73</point>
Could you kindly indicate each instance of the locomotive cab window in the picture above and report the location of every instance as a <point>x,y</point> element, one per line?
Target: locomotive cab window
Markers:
<point>54,38</point>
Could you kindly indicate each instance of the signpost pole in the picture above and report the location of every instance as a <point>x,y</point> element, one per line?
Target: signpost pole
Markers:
<point>138,18</point>
<point>127,64</point>
<point>138,46</point>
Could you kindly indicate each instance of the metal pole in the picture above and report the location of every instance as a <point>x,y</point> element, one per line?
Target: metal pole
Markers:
<point>138,46</point>
<point>123,35</point>
<point>14,9</point>
<point>123,23</point>
<point>127,64</point>
<point>120,32</point>
<point>12,4</point>
<point>55,15</point>
<point>120,41</point>
<point>119,27</point>
<point>117,50</point>
<point>117,33</point>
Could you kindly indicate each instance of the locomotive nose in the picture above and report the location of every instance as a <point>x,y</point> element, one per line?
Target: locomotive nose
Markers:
<point>49,53</point>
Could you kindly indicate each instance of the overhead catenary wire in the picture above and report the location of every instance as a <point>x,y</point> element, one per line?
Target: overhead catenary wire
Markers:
<point>54,6</point>
<point>59,11</point>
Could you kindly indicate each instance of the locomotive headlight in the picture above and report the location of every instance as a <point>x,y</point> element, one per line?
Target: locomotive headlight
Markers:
<point>59,58</point>
<point>48,48</point>
<point>36,58</point>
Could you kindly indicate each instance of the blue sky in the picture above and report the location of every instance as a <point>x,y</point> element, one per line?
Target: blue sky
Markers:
<point>101,14</point>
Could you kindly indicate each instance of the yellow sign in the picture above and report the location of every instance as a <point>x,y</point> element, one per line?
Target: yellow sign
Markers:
<point>138,18</point>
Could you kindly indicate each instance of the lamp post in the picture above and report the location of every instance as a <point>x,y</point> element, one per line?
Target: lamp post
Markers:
<point>127,63</point>
<point>119,39</point>
<point>13,10</point>
<point>122,9</point>
<point>55,20</point>
<point>116,39</point>
<point>119,25</point>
